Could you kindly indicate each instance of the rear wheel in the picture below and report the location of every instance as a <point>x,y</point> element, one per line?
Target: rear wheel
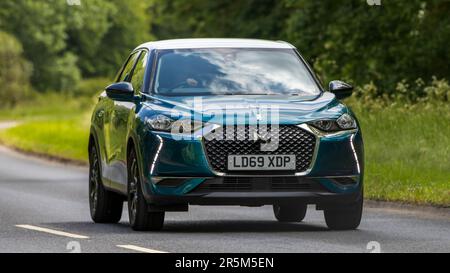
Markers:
<point>289,213</point>
<point>105,206</point>
<point>140,218</point>
<point>345,217</point>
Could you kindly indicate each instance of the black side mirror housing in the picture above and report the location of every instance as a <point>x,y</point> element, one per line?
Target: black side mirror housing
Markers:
<point>122,91</point>
<point>341,89</point>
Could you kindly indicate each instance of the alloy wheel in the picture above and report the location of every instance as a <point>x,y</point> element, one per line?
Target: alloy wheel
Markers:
<point>94,177</point>
<point>133,190</point>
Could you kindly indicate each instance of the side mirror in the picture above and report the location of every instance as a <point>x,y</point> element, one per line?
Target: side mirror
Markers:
<point>123,91</point>
<point>341,89</point>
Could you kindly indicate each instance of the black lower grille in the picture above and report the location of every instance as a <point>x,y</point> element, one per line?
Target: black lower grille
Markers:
<point>229,184</point>
<point>261,184</point>
<point>292,140</point>
<point>289,183</point>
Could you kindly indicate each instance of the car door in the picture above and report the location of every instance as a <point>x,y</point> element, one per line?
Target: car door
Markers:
<point>125,115</point>
<point>116,117</point>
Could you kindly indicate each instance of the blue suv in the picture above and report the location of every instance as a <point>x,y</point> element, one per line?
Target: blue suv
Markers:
<point>223,122</point>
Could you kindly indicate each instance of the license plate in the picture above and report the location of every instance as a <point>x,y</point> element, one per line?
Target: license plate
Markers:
<point>261,162</point>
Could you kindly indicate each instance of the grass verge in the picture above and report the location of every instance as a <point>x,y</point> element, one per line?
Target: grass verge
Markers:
<point>407,153</point>
<point>52,125</point>
<point>66,138</point>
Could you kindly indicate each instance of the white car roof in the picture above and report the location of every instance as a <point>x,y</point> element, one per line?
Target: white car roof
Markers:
<point>215,43</point>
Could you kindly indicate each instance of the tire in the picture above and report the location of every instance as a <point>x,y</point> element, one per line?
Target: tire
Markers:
<point>289,213</point>
<point>105,206</point>
<point>140,218</point>
<point>346,217</point>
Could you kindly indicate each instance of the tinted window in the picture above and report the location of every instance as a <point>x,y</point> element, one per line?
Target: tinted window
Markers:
<point>233,71</point>
<point>125,75</point>
<point>139,72</point>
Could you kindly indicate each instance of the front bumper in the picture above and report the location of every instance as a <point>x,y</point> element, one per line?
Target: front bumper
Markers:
<point>257,191</point>
<point>175,171</point>
<point>322,200</point>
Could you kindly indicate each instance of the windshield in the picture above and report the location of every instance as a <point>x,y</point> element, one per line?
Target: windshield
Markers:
<point>232,71</point>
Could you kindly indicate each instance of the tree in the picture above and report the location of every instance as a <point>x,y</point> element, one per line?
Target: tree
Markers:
<point>41,28</point>
<point>343,39</point>
<point>103,32</point>
<point>14,71</point>
<point>399,40</point>
<point>65,42</point>
<point>219,18</point>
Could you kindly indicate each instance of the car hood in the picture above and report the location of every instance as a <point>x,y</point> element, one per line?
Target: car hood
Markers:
<point>291,110</point>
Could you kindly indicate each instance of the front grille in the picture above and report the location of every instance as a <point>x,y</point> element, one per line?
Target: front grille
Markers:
<point>258,184</point>
<point>293,140</point>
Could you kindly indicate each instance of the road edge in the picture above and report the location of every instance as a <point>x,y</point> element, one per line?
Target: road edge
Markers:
<point>14,151</point>
<point>408,208</point>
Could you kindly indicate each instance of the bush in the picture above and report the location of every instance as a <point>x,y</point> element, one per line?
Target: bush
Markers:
<point>15,71</point>
<point>405,94</point>
<point>438,90</point>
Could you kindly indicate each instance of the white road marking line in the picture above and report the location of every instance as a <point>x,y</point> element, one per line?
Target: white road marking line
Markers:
<point>54,232</point>
<point>140,249</point>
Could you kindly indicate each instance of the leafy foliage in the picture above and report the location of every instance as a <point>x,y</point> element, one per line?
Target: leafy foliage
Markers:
<point>66,42</point>
<point>389,45</point>
<point>41,27</point>
<point>14,71</point>
<point>349,40</point>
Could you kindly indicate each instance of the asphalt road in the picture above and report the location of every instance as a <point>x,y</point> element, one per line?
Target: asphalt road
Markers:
<point>39,199</point>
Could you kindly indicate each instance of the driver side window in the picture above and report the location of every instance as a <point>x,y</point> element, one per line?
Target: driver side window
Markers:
<point>139,72</point>
<point>125,75</point>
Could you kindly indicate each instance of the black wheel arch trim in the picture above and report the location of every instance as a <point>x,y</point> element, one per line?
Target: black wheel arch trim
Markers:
<point>135,143</point>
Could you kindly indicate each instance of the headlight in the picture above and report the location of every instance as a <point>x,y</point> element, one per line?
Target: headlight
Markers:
<point>325,125</point>
<point>344,122</point>
<point>160,123</point>
<point>164,123</point>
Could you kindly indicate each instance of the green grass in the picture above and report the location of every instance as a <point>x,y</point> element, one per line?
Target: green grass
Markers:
<point>407,153</point>
<point>48,107</point>
<point>407,149</point>
<point>64,138</point>
<point>55,125</point>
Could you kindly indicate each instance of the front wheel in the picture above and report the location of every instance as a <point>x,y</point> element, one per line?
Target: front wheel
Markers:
<point>140,218</point>
<point>289,213</point>
<point>345,217</point>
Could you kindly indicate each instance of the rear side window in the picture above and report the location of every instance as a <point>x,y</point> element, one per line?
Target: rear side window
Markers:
<point>139,72</point>
<point>127,71</point>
